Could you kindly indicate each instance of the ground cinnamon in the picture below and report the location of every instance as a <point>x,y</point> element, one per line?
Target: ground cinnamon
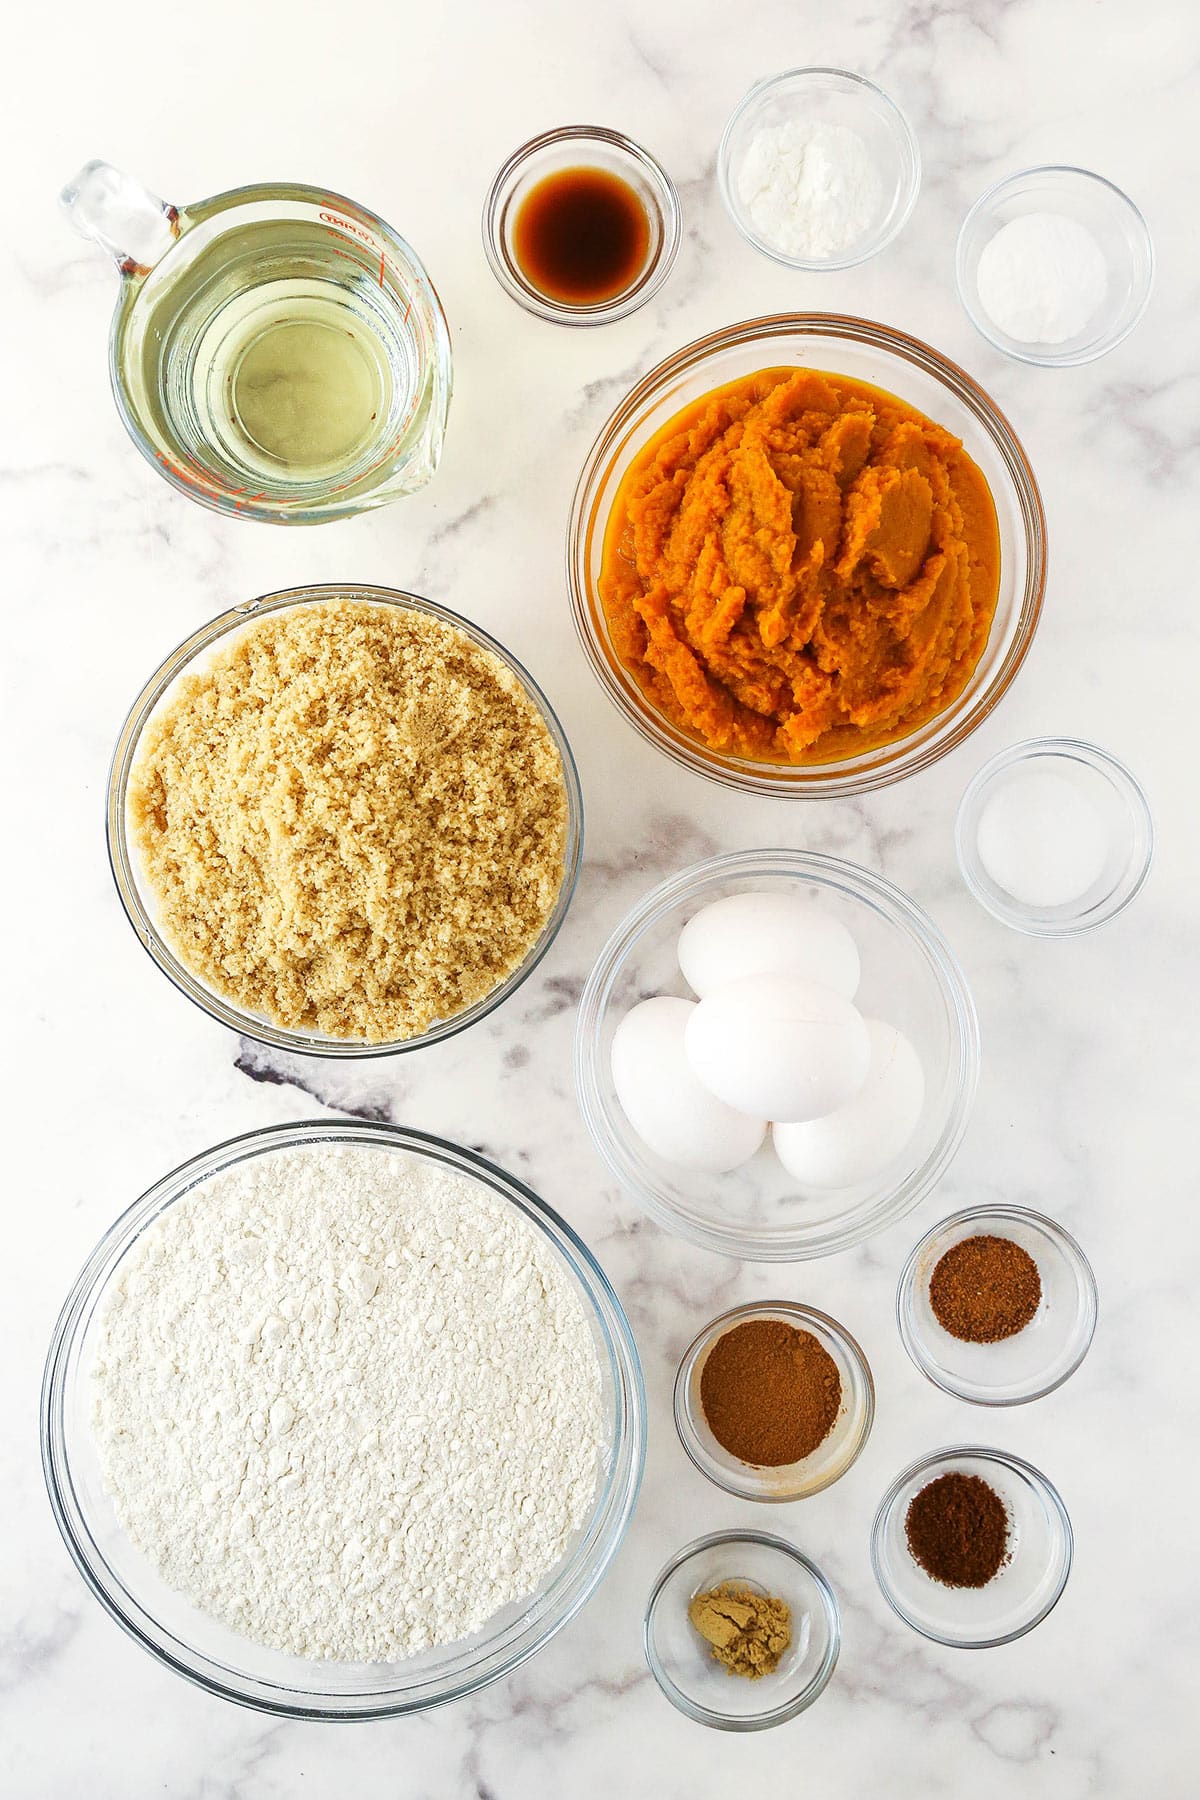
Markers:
<point>770,1392</point>
<point>957,1530</point>
<point>985,1289</point>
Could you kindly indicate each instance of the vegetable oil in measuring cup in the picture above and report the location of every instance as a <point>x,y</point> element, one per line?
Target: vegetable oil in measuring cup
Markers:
<point>275,357</point>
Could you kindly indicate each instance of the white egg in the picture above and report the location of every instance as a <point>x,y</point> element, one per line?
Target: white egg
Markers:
<point>672,1112</point>
<point>1042,839</point>
<point>766,934</point>
<point>860,1139</point>
<point>779,1046</point>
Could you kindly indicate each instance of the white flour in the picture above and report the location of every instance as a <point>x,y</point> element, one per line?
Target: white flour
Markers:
<point>812,189</point>
<point>1042,278</point>
<point>347,1403</point>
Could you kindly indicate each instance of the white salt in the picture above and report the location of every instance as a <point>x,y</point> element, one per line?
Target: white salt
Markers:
<point>1042,840</point>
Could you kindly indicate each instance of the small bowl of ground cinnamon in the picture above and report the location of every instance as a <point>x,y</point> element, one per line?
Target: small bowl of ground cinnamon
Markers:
<point>774,1401</point>
<point>997,1305</point>
<point>742,1631</point>
<point>972,1547</point>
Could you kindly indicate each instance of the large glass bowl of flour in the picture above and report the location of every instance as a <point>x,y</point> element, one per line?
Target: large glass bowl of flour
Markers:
<point>223,1660</point>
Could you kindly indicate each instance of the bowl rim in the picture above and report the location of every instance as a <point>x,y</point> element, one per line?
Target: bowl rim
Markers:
<point>869,247</point>
<point>779,1715</point>
<point>1009,346</point>
<point>1018,917</point>
<point>818,868</point>
<point>1055,1508</point>
<point>121,862</point>
<point>652,277</point>
<point>805,1316</point>
<point>1063,1241</point>
<point>617,1489</point>
<point>875,768</point>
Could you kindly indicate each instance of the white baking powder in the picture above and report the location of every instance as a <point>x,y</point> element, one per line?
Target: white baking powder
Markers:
<point>348,1403</point>
<point>1042,278</point>
<point>810,189</point>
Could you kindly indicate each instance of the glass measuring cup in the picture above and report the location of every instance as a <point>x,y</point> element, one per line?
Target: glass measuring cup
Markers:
<point>277,352</point>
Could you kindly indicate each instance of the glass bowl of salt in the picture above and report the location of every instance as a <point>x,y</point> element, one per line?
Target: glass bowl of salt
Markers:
<point>1054,837</point>
<point>1054,266</point>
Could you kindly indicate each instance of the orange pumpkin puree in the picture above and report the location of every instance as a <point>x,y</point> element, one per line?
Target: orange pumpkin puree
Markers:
<point>799,567</point>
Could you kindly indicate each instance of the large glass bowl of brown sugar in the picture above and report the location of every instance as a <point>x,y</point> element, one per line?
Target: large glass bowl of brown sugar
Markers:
<point>909,978</point>
<point>344,821</point>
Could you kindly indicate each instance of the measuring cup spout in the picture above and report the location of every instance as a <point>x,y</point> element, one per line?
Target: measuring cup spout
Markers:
<point>116,212</point>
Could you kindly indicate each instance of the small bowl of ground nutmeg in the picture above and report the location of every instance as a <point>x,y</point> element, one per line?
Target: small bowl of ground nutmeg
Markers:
<point>742,1631</point>
<point>972,1547</point>
<point>344,821</point>
<point>997,1305</point>
<point>774,1401</point>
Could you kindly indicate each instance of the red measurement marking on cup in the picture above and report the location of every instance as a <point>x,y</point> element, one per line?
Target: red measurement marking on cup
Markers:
<point>358,231</point>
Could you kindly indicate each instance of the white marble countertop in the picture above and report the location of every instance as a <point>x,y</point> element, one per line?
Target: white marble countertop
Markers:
<point>1088,1045</point>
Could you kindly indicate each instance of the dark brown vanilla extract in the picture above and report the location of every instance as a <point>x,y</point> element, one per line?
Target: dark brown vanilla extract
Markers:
<point>581,236</point>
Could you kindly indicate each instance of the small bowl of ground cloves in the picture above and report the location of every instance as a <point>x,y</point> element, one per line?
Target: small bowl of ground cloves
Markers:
<point>972,1547</point>
<point>997,1305</point>
<point>774,1401</point>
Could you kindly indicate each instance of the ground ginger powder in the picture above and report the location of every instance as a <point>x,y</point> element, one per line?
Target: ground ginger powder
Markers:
<point>748,1631</point>
<point>352,820</point>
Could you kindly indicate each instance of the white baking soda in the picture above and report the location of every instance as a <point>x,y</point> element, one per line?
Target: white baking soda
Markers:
<point>1042,278</point>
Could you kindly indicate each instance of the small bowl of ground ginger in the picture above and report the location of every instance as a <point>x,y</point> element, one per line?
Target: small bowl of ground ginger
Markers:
<point>344,821</point>
<point>997,1305</point>
<point>742,1631</point>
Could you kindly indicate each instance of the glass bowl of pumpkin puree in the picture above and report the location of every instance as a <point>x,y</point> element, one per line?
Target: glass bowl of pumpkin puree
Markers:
<point>807,555</point>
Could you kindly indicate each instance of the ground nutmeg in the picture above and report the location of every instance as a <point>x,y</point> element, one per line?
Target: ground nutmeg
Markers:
<point>957,1530</point>
<point>985,1289</point>
<point>770,1392</point>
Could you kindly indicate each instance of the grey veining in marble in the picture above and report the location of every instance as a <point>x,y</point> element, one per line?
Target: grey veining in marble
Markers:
<point>1089,1098</point>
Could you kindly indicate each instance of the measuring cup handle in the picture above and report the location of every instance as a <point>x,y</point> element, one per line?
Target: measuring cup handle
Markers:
<point>134,226</point>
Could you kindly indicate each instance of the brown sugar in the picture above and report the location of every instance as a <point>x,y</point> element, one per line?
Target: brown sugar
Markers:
<point>985,1289</point>
<point>770,1392</point>
<point>353,820</point>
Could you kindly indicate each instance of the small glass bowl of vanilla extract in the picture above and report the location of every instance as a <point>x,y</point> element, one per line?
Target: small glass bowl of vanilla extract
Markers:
<point>581,225</point>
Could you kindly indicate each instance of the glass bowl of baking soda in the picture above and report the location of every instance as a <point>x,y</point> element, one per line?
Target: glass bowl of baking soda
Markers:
<point>818,168</point>
<point>1054,266</point>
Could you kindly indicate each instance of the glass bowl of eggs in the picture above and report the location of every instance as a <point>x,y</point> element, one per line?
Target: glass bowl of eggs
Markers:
<point>776,1054</point>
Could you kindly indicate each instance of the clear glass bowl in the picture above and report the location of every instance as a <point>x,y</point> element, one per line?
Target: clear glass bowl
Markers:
<point>682,1663</point>
<point>791,1481</point>
<point>593,147</point>
<point>1034,1361</point>
<point>138,901</point>
<point>1114,222</point>
<point>827,97</point>
<point>210,1653</point>
<point>887,359</point>
<point>1124,810</point>
<point>1023,1590</point>
<point>910,978</point>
